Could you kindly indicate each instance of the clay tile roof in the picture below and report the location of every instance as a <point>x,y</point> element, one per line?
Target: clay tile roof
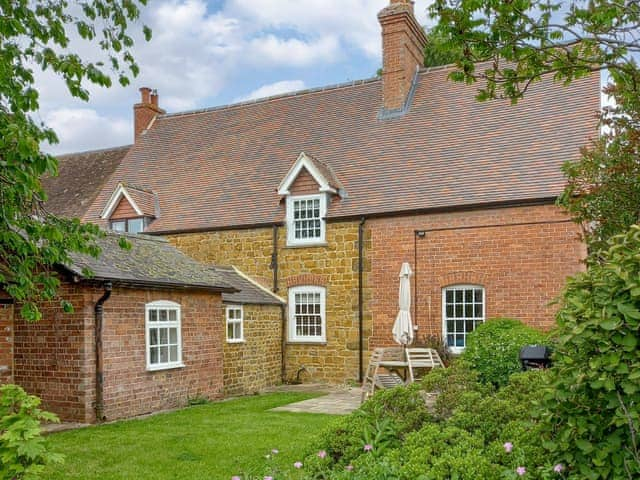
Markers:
<point>151,262</point>
<point>146,200</point>
<point>81,177</point>
<point>327,172</point>
<point>220,168</point>
<point>249,292</point>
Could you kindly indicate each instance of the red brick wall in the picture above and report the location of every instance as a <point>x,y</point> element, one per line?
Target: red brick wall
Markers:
<point>129,389</point>
<point>6,344</point>
<point>522,267</point>
<point>55,358</point>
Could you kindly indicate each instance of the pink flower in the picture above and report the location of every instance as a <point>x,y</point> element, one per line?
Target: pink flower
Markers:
<point>348,468</point>
<point>558,468</point>
<point>508,447</point>
<point>298,464</point>
<point>275,451</point>
<point>268,478</point>
<point>521,471</point>
<point>368,447</point>
<point>322,454</point>
<point>235,477</point>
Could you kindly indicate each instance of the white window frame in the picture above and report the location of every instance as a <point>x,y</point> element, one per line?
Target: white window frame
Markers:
<point>291,239</point>
<point>457,349</point>
<point>240,320</point>
<point>293,337</point>
<point>177,324</point>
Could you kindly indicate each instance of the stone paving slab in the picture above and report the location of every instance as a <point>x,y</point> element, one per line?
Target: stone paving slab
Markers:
<point>339,401</point>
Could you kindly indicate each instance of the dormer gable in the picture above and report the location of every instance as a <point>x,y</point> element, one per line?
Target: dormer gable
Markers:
<point>306,170</point>
<point>130,209</point>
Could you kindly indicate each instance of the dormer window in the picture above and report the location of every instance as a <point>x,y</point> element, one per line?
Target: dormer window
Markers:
<point>309,186</point>
<point>131,209</point>
<point>305,219</point>
<point>129,225</point>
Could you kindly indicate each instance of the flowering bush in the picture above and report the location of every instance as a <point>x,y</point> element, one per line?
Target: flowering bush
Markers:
<point>493,348</point>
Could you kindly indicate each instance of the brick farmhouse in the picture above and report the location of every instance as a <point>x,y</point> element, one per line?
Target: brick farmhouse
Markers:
<point>319,196</point>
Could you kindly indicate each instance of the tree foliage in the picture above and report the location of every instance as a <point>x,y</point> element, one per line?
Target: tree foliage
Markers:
<point>521,40</point>
<point>440,50</point>
<point>23,450</point>
<point>594,403</point>
<point>603,190</point>
<point>35,35</point>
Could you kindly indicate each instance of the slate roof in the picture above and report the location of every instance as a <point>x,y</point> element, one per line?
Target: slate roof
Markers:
<point>81,177</point>
<point>219,168</point>
<point>249,291</point>
<point>151,262</point>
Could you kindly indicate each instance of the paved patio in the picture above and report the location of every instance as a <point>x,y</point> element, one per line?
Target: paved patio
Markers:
<point>340,400</point>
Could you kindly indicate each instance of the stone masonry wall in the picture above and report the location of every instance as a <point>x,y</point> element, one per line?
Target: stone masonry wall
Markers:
<point>334,266</point>
<point>131,390</point>
<point>522,264</point>
<point>6,344</point>
<point>54,357</point>
<point>256,363</point>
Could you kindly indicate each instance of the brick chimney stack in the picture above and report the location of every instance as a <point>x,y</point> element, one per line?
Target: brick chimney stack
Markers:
<point>145,111</point>
<point>403,44</point>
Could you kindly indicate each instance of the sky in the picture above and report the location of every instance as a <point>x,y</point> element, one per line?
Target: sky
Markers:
<point>210,53</point>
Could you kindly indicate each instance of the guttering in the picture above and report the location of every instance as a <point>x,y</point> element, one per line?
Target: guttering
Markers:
<point>360,299</point>
<point>283,344</point>
<point>99,317</point>
<point>384,214</point>
<point>274,258</point>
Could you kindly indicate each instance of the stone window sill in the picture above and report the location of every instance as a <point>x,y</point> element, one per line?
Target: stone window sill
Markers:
<point>160,368</point>
<point>309,343</point>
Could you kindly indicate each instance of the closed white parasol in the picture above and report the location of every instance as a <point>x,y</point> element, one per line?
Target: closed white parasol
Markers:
<point>403,328</point>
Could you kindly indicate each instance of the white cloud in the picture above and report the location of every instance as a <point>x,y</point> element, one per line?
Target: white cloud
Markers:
<point>82,129</point>
<point>272,89</point>
<point>202,49</point>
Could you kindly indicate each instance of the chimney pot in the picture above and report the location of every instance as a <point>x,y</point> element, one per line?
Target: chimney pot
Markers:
<point>145,111</point>
<point>145,93</point>
<point>154,98</point>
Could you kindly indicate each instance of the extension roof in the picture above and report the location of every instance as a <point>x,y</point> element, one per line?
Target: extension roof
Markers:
<point>249,291</point>
<point>81,177</point>
<point>221,167</point>
<point>151,262</point>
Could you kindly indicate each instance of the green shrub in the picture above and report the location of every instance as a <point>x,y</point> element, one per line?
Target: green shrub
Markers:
<point>594,406</point>
<point>451,384</point>
<point>23,451</point>
<point>493,348</point>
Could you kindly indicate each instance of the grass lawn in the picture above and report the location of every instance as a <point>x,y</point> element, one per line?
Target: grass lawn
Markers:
<point>213,441</point>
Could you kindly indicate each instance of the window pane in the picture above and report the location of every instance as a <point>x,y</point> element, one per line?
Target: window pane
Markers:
<point>459,312</point>
<point>468,310</point>
<point>460,340</point>
<point>164,354</point>
<point>470,326</point>
<point>153,315</point>
<point>173,336</point>
<point>449,311</point>
<point>449,296</point>
<point>478,295</point>
<point>450,326</point>
<point>153,357</point>
<point>173,353</point>
<point>136,225</point>
<point>173,315</point>
<point>164,339</point>
<point>450,340</point>
<point>119,226</point>
<point>238,331</point>
<point>468,296</point>
<point>153,336</point>
<point>162,315</point>
<point>459,296</point>
<point>478,310</point>
<point>230,331</point>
